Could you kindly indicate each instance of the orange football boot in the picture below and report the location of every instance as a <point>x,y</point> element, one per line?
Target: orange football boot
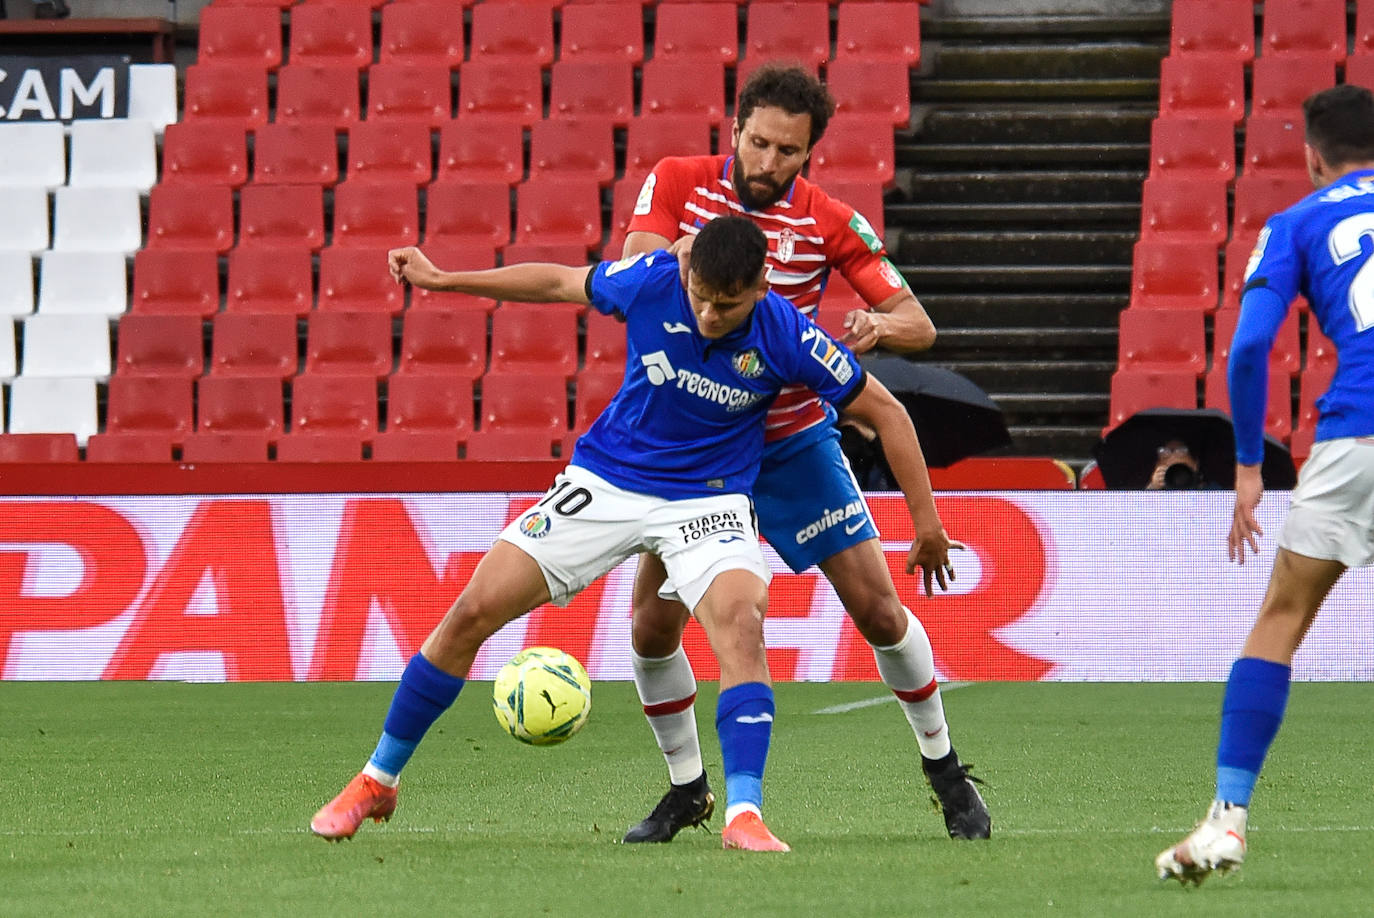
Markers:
<point>364,798</point>
<point>748,833</point>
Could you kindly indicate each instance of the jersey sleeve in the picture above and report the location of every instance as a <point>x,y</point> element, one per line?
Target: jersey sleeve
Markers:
<point>658,209</point>
<point>614,287</point>
<point>855,250</point>
<point>819,362</point>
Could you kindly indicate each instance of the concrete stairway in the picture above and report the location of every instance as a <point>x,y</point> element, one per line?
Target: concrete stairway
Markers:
<point>1019,203</point>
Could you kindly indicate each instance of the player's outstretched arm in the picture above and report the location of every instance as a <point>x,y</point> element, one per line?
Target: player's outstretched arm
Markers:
<point>930,548</point>
<point>1245,529</point>
<point>530,283</point>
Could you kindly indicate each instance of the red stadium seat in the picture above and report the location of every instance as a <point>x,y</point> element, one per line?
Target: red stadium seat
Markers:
<point>1235,258</point>
<point>1183,210</point>
<point>1281,83</point>
<point>1135,390</point>
<point>468,214</point>
<point>1274,145</point>
<point>1173,276</point>
<point>1012,473</point>
<point>512,33</point>
<point>150,404</point>
<point>1221,28</point>
<point>795,31</point>
<point>1202,148</point>
<point>876,88</point>
<point>573,149</point>
<point>348,344</point>
<point>698,31</point>
<point>558,253</point>
<point>191,217</point>
<point>1286,355</point>
<point>247,36</point>
<point>422,33</point>
<point>1321,353</point>
<point>205,153</point>
<point>331,35</point>
<point>320,447</point>
<point>407,446</point>
<point>605,344</point>
<point>1313,385</point>
<point>281,216</point>
<point>452,344</point>
<point>229,446</point>
<point>334,404</point>
<point>236,94</point>
<point>516,445</point>
<point>39,447</point>
<point>534,338</point>
<point>1359,68</point>
<point>296,154</point>
<point>855,148</point>
<point>595,389</point>
<point>254,345</point>
<point>1364,32</point>
<point>866,197</point>
<point>511,91</point>
<point>883,31</point>
<point>455,258</point>
<point>128,447</point>
<point>357,280</point>
<point>677,86</point>
<point>474,148</point>
<point>383,151</point>
<point>1258,197</point>
<point>593,91</point>
<point>558,211</point>
<point>1202,86</point>
<point>410,92</point>
<point>429,404</point>
<point>1278,418</point>
<point>160,345</point>
<point>312,94</point>
<point>624,194</point>
<point>270,280</point>
<point>238,405</point>
<point>376,215</point>
<point>603,33</point>
<point>525,401</point>
<point>1162,339</point>
<point>1309,27</point>
<point>175,282</point>
<point>651,138</point>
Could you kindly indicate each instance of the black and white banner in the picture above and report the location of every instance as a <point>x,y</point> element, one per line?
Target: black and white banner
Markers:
<point>64,88</point>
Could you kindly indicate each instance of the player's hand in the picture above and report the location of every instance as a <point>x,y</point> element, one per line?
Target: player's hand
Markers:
<point>409,265</point>
<point>862,329</point>
<point>930,552</point>
<point>1244,527</point>
<point>681,249</point>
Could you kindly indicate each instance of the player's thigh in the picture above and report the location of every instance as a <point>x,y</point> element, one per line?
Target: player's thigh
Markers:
<point>579,531</point>
<point>810,507</point>
<point>1297,587</point>
<point>506,584</point>
<point>702,538</point>
<point>1331,516</point>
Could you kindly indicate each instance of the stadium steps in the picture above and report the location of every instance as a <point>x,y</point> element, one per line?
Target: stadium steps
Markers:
<point>1017,205</point>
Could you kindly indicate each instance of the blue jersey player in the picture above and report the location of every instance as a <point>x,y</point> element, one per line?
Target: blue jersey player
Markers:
<point>1323,248</point>
<point>667,468</point>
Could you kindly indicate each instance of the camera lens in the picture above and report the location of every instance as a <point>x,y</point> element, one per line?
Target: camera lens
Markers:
<point>1180,477</point>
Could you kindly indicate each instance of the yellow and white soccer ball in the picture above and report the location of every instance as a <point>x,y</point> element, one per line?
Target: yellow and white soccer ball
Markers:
<point>542,696</point>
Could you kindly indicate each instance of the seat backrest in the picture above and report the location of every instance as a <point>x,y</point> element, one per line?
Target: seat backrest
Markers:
<point>334,404</point>
<point>357,280</point>
<point>422,33</point>
<point>507,32</point>
<point>279,216</point>
<point>1278,415</point>
<point>1315,27</point>
<point>683,87</point>
<point>1183,209</point>
<point>1202,86</point>
<point>225,446</point>
<point>512,91</point>
<point>150,403</point>
<point>1284,357</point>
<point>525,400</point>
<point>429,403</point>
<point>239,35</point>
<point>236,94</point>
<point>460,257</point>
<point>1282,82</point>
<point>651,138</point>
<point>1260,196</point>
<point>797,31</point>
<point>1136,389</point>
<point>206,153</point>
<point>54,405</point>
<point>239,404</point>
<point>158,345</point>
<point>1274,145</point>
<point>478,149</point>
<point>573,148</point>
<point>553,211</point>
<point>389,152</point>
<point>97,220</point>
<point>33,154</point>
<point>9,360</point>
<point>593,90</point>
<point>295,154</point>
<point>83,282</point>
<point>191,217</point>
<point>534,338</point>
<point>25,227</point>
<point>1193,147</point>
<point>309,93</point>
<point>153,94</point>
<point>176,281</point>
<point>376,214</point>
<point>1173,276</point>
<point>699,31</point>
<point>866,197</point>
<point>335,35</point>
<point>1162,339</point>
<point>855,147</point>
<point>16,283</point>
<point>348,344</point>
<point>143,446</point>
<point>448,343</point>
<point>76,345</point>
<point>270,280</point>
<point>880,88</point>
<point>595,389</point>
<point>605,31</point>
<point>1222,29</point>
<point>468,213</point>
<point>254,344</point>
<point>885,30</point>
<point>410,92</point>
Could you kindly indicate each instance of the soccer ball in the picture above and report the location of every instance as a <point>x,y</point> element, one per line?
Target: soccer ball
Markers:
<point>542,696</point>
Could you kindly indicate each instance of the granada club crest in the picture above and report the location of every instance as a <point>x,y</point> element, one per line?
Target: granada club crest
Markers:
<point>889,273</point>
<point>536,525</point>
<point>787,244</point>
<point>749,364</point>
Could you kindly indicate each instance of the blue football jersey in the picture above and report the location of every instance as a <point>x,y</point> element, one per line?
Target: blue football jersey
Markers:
<point>1323,248</point>
<point>688,419</point>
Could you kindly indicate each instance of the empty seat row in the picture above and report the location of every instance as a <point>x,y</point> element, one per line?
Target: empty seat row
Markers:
<point>433,33</point>
<point>1226,28</point>
<point>1208,87</point>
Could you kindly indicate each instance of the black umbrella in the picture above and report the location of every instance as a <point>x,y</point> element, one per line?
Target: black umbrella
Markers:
<point>1127,455</point>
<point>953,417</point>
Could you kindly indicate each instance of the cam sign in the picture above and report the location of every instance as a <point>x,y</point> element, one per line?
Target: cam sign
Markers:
<point>63,89</point>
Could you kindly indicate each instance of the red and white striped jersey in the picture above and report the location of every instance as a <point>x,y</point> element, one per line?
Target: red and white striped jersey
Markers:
<point>809,235</point>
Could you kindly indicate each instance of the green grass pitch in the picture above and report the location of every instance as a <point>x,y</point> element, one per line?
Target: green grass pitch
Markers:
<point>174,799</point>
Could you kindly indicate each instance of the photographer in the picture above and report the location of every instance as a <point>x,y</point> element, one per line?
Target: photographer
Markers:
<point>1176,469</point>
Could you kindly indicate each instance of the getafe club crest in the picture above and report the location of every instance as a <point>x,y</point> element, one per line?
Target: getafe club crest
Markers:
<point>787,244</point>
<point>748,363</point>
<point>536,525</point>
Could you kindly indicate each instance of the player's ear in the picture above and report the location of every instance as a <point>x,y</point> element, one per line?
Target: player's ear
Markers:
<point>761,285</point>
<point>1316,165</point>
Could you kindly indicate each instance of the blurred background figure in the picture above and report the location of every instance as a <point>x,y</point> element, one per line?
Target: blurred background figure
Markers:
<point>1176,469</point>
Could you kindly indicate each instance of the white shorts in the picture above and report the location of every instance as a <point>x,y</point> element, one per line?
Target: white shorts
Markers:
<point>585,526</point>
<point>1331,517</point>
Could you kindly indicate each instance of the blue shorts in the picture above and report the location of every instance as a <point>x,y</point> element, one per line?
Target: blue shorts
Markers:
<point>809,505</point>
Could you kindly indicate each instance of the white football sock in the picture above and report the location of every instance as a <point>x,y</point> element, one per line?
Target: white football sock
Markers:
<point>381,777</point>
<point>908,668</point>
<point>668,690</point>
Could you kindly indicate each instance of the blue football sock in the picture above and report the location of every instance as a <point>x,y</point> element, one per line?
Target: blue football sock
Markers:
<point>744,722</point>
<point>425,692</point>
<point>1251,713</point>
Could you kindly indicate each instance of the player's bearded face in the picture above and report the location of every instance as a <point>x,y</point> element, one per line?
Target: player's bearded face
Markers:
<point>770,149</point>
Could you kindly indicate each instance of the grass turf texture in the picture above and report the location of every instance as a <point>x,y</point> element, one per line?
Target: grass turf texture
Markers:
<point>172,799</point>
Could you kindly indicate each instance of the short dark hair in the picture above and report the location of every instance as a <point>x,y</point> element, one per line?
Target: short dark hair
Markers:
<point>790,87</point>
<point>728,254</point>
<point>1340,124</point>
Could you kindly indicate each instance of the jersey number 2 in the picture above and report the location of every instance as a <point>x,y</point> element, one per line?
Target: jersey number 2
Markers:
<point>1344,243</point>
